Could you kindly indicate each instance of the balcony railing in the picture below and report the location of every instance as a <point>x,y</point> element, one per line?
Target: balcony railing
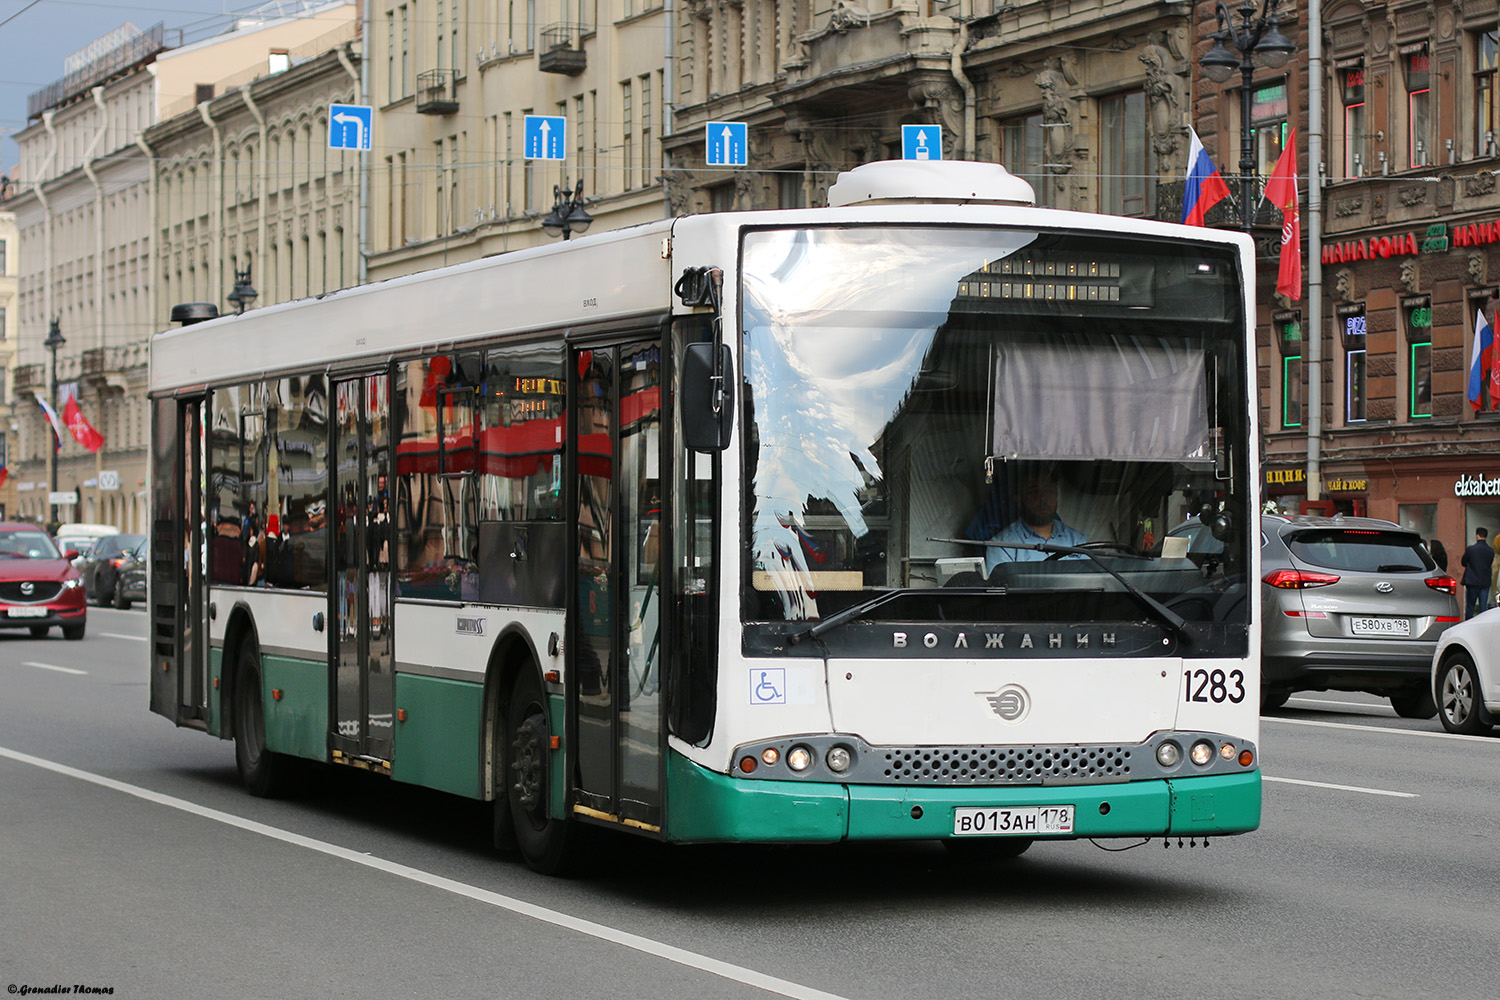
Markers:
<point>27,377</point>
<point>562,48</point>
<point>437,92</point>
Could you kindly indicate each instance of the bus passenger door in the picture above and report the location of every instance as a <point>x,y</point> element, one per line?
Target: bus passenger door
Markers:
<point>179,619</point>
<point>361,647</point>
<point>617,613</point>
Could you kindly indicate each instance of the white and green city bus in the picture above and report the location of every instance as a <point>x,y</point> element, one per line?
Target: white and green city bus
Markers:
<point>708,530</point>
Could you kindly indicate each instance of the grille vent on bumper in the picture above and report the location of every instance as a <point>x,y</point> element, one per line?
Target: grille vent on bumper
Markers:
<point>1005,765</point>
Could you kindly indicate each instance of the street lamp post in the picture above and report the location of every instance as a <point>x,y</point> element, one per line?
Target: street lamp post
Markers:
<point>243,292</point>
<point>54,340</point>
<point>1256,36</point>
<point>568,215</point>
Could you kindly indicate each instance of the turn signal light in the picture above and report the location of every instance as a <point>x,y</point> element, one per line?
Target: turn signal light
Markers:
<point>1247,757</point>
<point>747,764</point>
<point>1297,579</point>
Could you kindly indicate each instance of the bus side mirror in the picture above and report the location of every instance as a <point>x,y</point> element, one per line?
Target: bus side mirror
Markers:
<point>703,427</point>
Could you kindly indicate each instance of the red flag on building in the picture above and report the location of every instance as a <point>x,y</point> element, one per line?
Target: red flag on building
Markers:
<point>1281,189</point>
<point>83,432</point>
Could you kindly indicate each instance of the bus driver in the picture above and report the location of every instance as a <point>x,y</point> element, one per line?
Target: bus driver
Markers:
<point>1036,501</point>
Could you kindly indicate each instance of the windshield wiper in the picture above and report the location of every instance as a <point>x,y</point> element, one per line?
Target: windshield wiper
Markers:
<point>1172,618</point>
<point>850,613</point>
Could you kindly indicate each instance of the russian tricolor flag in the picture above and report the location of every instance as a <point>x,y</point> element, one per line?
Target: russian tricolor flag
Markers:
<point>1480,359</point>
<point>1205,187</point>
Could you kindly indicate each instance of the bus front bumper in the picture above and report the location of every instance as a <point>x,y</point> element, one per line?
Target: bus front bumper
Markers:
<point>707,807</point>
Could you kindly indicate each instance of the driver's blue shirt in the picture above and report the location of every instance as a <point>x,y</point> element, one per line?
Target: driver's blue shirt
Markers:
<point>1020,533</point>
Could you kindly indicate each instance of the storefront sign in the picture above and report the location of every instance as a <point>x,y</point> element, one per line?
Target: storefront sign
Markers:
<point>1297,477</point>
<point>1476,486</point>
<point>1377,248</point>
<point>1476,234</point>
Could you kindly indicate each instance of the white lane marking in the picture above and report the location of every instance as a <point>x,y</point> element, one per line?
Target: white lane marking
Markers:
<point>1341,788</point>
<point>119,635</point>
<point>48,666</point>
<point>681,956</point>
<point>1377,729</point>
<point>1343,704</point>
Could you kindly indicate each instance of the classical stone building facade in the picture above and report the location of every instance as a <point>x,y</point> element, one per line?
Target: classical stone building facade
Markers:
<point>1087,101</point>
<point>83,199</point>
<point>1410,256</point>
<point>9,424</point>
<point>452,83</point>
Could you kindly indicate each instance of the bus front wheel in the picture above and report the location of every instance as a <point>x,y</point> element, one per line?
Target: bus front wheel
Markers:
<point>263,771</point>
<point>546,843</point>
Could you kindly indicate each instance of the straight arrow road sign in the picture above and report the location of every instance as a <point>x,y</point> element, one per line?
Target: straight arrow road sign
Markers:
<point>728,144</point>
<point>545,137</point>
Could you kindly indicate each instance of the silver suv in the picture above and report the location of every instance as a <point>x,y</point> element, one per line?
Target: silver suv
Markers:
<point>1351,604</point>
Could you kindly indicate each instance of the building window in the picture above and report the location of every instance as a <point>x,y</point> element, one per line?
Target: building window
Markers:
<point>1486,57</point>
<point>629,151</point>
<point>3,334</point>
<point>1417,312</point>
<point>646,150</point>
<point>2,256</point>
<point>1352,333</point>
<point>721,198</point>
<point>1023,147</point>
<point>1354,121</point>
<point>1128,164</point>
<point>1288,326</point>
<point>789,190</point>
<point>1268,125</point>
<point>1418,94</point>
<point>390,56</point>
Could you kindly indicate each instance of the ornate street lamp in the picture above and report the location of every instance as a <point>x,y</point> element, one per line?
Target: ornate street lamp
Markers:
<point>54,340</point>
<point>1260,37</point>
<point>567,216</point>
<point>243,293</point>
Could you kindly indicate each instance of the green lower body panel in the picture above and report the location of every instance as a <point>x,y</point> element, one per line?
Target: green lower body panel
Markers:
<point>440,742</point>
<point>704,805</point>
<point>295,695</point>
<point>216,703</point>
<point>1222,804</point>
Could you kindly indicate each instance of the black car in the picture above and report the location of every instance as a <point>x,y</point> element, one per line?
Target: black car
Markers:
<point>130,580</point>
<point>101,568</point>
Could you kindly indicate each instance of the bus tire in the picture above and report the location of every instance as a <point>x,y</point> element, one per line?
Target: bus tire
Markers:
<point>546,844</point>
<point>987,848</point>
<point>264,772</point>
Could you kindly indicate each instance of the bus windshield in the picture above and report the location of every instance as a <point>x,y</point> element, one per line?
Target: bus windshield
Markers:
<point>991,425</point>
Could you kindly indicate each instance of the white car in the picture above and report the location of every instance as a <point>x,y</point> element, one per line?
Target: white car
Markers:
<point>1466,675</point>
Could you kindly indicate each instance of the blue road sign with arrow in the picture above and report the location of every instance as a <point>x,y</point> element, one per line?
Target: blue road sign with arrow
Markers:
<point>728,144</point>
<point>921,142</point>
<point>349,126</point>
<point>545,137</point>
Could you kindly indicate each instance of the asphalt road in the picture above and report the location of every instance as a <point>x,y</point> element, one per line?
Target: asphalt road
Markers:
<point>131,860</point>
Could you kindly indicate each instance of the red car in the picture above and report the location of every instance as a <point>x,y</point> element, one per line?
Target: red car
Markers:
<point>39,587</point>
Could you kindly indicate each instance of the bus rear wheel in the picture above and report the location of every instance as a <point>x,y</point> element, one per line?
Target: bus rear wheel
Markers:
<point>264,772</point>
<point>547,844</point>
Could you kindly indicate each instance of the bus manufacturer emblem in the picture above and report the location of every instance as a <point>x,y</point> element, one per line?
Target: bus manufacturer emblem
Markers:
<point>471,626</point>
<point>1011,703</point>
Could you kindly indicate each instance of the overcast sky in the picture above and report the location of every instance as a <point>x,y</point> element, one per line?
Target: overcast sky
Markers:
<point>37,36</point>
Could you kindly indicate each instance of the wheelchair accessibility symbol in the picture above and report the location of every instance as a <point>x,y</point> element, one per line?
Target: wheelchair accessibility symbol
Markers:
<point>768,686</point>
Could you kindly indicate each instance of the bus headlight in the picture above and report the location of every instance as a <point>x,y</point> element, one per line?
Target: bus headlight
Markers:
<point>1168,754</point>
<point>838,759</point>
<point>799,758</point>
<point>770,755</point>
<point>1202,752</point>
<point>1227,751</point>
